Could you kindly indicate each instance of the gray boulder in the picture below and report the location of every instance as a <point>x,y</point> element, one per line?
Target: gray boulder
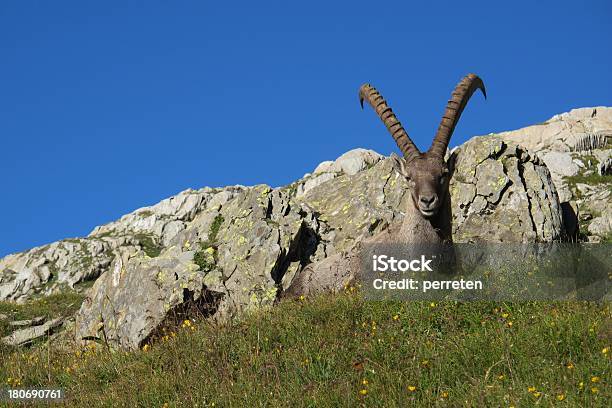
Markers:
<point>229,260</point>
<point>602,225</point>
<point>561,163</point>
<point>26,336</point>
<point>576,147</point>
<point>350,162</point>
<point>28,322</point>
<point>501,184</point>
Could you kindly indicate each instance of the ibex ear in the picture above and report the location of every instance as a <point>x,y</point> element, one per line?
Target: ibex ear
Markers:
<point>400,165</point>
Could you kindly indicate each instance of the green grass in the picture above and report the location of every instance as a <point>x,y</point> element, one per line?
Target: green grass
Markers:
<point>590,179</point>
<point>343,351</point>
<point>60,304</point>
<point>149,244</point>
<point>291,189</point>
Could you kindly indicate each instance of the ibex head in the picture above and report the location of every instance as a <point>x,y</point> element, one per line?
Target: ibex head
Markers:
<point>428,172</point>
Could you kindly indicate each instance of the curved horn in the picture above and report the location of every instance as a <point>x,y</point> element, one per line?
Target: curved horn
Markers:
<point>384,112</point>
<point>459,98</point>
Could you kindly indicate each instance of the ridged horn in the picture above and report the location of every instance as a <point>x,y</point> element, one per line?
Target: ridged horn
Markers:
<point>368,93</point>
<point>459,99</point>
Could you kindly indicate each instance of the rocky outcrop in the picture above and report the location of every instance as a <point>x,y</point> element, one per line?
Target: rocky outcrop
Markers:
<point>349,163</point>
<point>577,149</point>
<point>69,263</point>
<point>222,252</point>
<point>580,129</point>
<point>26,336</point>
<point>61,265</point>
<point>501,184</point>
<point>245,253</point>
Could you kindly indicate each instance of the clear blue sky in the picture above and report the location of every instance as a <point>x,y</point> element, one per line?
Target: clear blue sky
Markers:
<point>110,106</point>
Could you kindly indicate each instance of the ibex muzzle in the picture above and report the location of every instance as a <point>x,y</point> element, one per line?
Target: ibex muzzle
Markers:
<point>428,172</point>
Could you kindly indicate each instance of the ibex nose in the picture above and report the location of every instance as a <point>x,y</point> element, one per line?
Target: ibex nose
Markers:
<point>427,200</point>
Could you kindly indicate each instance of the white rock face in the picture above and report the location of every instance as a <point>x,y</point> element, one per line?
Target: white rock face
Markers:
<point>560,163</point>
<point>64,264</point>
<point>325,167</point>
<point>313,182</point>
<point>168,217</point>
<point>602,225</point>
<point>563,132</point>
<point>576,147</point>
<point>350,162</point>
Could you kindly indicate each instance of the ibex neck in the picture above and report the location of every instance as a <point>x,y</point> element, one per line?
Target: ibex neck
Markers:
<point>417,228</point>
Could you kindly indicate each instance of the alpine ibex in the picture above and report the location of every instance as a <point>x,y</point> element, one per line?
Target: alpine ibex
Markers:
<point>427,219</point>
<point>428,216</point>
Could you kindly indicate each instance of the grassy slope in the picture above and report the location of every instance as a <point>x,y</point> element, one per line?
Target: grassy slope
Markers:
<point>61,304</point>
<point>341,350</point>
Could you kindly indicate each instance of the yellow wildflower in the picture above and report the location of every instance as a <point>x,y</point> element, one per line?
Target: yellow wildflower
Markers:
<point>396,317</point>
<point>561,397</point>
<point>505,315</point>
<point>581,385</point>
<point>363,391</point>
<point>509,324</point>
<point>364,381</point>
<point>531,389</point>
<point>605,350</point>
<point>444,394</point>
<point>146,347</point>
<point>501,377</point>
<point>411,388</point>
<point>594,390</point>
<point>595,379</point>
<point>570,365</point>
<point>537,394</point>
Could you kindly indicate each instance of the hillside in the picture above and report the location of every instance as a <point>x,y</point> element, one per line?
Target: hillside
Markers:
<point>337,350</point>
<point>234,249</point>
<point>161,294</point>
